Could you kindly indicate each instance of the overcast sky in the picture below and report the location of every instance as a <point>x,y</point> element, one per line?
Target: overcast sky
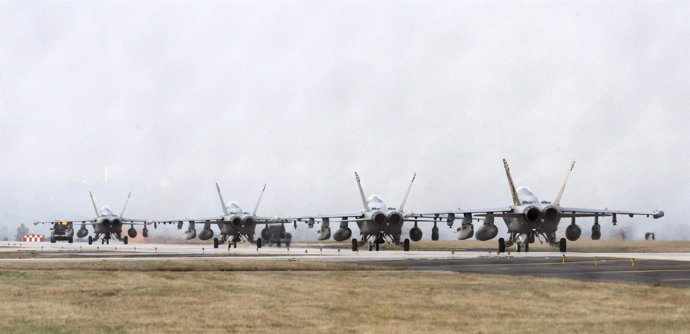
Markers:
<point>171,97</point>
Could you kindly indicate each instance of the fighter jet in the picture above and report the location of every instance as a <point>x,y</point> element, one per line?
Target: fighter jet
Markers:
<point>377,222</point>
<point>106,224</point>
<point>234,224</point>
<point>528,218</point>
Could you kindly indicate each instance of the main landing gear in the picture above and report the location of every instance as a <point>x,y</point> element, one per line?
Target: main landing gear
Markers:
<point>562,245</point>
<point>524,245</point>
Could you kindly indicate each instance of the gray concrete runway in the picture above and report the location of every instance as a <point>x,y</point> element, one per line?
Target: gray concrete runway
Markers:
<point>649,268</point>
<point>647,271</point>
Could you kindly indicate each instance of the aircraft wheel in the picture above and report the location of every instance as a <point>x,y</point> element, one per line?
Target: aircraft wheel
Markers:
<point>258,243</point>
<point>52,240</point>
<point>526,247</point>
<point>355,245</point>
<point>107,241</point>
<point>377,246</point>
<point>125,240</point>
<point>278,243</point>
<point>287,243</point>
<point>70,240</point>
<point>215,242</point>
<point>519,248</point>
<point>371,247</point>
<point>501,245</point>
<point>90,240</point>
<point>406,245</point>
<point>234,244</point>
<point>562,245</point>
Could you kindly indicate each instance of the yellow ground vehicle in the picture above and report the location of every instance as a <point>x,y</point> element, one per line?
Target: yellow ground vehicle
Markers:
<point>62,231</point>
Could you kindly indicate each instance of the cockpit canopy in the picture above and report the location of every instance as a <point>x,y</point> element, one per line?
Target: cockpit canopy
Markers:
<point>526,195</point>
<point>233,207</point>
<point>375,202</point>
<point>106,211</point>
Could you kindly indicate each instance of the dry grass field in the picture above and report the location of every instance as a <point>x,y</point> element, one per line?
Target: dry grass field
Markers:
<point>292,296</point>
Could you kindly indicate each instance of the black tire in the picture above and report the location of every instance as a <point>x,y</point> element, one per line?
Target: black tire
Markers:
<point>519,247</point>
<point>125,240</point>
<point>371,247</point>
<point>90,240</point>
<point>406,245</point>
<point>287,243</point>
<point>107,241</point>
<point>52,240</point>
<point>562,245</point>
<point>377,246</point>
<point>258,243</point>
<point>215,242</point>
<point>501,245</point>
<point>70,240</point>
<point>355,245</point>
<point>278,243</point>
<point>234,244</point>
<point>526,247</point>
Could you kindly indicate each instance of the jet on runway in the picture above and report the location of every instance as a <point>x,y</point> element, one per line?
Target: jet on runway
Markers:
<point>528,218</point>
<point>377,222</point>
<point>106,224</point>
<point>235,223</point>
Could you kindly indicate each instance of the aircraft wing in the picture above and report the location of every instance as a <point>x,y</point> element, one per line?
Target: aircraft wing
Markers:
<point>580,212</point>
<point>344,217</point>
<point>270,220</point>
<point>459,213</point>
<point>216,219</point>
<point>87,222</point>
<point>136,221</point>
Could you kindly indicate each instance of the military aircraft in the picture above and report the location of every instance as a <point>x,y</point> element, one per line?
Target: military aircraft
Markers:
<point>529,218</point>
<point>106,224</point>
<point>234,223</point>
<point>377,222</point>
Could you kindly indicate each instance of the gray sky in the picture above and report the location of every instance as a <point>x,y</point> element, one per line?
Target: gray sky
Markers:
<point>172,97</point>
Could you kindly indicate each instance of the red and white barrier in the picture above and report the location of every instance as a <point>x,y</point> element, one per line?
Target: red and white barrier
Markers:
<point>34,238</point>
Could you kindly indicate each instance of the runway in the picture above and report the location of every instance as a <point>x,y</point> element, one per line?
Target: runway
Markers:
<point>648,268</point>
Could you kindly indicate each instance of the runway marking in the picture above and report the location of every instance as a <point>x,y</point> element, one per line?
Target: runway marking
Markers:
<point>675,279</point>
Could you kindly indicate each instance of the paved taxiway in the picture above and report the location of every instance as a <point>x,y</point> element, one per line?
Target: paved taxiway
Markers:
<point>649,268</point>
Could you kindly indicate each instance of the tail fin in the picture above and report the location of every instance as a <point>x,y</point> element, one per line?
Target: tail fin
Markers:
<point>402,205</point>
<point>361,193</point>
<point>513,192</point>
<point>222,202</point>
<point>259,201</point>
<point>557,201</point>
<point>95,208</point>
<point>122,213</point>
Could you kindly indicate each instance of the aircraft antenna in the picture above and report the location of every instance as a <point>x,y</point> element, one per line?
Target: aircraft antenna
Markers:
<point>361,193</point>
<point>222,202</point>
<point>402,205</point>
<point>513,192</point>
<point>256,208</point>
<point>557,201</point>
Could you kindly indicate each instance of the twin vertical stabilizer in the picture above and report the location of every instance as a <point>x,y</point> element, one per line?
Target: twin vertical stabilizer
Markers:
<point>222,202</point>
<point>513,192</point>
<point>557,201</point>
<point>361,193</point>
